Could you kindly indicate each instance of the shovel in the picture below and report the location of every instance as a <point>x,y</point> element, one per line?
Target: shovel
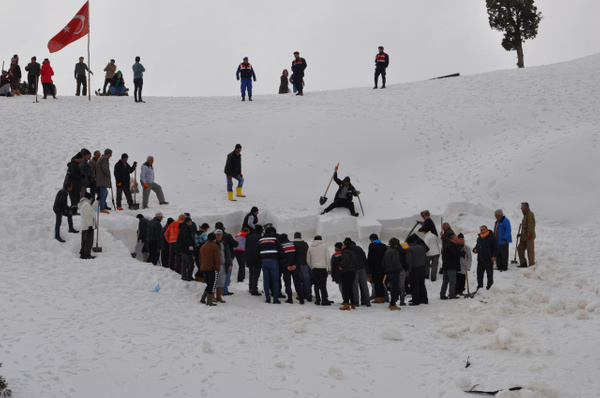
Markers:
<point>469,294</point>
<point>516,246</point>
<point>135,205</point>
<point>323,198</point>
<point>97,249</point>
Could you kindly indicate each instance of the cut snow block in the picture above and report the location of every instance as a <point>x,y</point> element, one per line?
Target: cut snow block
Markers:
<point>367,226</point>
<point>336,225</point>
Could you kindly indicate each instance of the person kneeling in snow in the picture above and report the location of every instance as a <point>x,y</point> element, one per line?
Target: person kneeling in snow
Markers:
<point>343,196</point>
<point>88,224</point>
<point>117,84</point>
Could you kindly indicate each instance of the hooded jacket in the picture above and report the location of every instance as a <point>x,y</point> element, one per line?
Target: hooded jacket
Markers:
<point>348,263</point>
<point>318,255</point>
<point>343,192</point>
<point>46,73</point>
<point>377,251</point>
<point>210,257</point>
<point>391,260</point>
<point>301,252</point>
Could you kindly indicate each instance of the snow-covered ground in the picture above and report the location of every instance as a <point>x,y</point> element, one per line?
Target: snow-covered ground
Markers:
<point>459,147</point>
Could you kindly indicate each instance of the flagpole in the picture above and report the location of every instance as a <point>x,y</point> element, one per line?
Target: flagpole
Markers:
<point>89,58</point>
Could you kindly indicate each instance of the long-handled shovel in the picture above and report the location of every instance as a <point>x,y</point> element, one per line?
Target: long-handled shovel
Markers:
<point>112,196</point>
<point>517,245</point>
<point>361,206</point>
<point>36,90</point>
<point>135,205</point>
<point>323,198</point>
<point>411,231</point>
<point>469,294</point>
<point>97,249</point>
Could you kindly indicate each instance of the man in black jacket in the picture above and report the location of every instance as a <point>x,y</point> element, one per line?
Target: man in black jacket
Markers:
<point>416,261</point>
<point>253,260</point>
<point>375,260</point>
<point>362,270</point>
<point>74,176</point>
<point>382,60</point>
<point>185,246</point>
<point>251,220</point>
<point>62,209</point>
<point>33,73</point>
<point>348,266</point>
<point>450,266</point>
<point>233,169</point>
<point>298,66</point>
<point>123,179</point>
<point>487,251</point>
<point>392,266</point>
<point>343,196</point>
<point>153,238</point>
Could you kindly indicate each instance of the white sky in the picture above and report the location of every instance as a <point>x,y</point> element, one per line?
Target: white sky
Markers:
<point>193,48</point>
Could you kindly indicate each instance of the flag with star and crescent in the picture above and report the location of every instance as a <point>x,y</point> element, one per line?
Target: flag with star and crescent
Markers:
<point>77,28</point>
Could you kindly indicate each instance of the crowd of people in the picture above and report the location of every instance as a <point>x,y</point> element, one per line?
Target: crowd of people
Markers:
<point>113,78</point>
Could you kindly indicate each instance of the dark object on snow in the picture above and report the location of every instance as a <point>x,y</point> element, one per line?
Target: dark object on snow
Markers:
<point>412,230</point>
<point>491,392</point>
<point>323,198</point>
<point>446,76</point>
<point>468,363</point>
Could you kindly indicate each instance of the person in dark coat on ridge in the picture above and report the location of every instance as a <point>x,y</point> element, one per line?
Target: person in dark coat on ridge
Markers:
<point>33,73</point>
<point>376,252</point>
<point>298,67</point>
<point>246,72</point>
<point>233,169</point>
<point>123,179</point>
<point>343,196</point>
<point>382,61</point>
<point>487,251</point>
<point>283,86</point>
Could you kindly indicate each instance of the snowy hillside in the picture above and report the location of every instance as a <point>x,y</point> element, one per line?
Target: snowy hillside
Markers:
<point>459,147</point>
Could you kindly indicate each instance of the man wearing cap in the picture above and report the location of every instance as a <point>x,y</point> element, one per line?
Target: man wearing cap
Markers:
<point>527,237</point>
<point>233,169</point>
<point>80,75</point>
<point>247,75</point>
<point>33,68</point>
<point>110,70</point>
<point>147,180</point>
<point>103,180</point>
<point>298,66</point>
<point>88,224</point>
<point>382,60</point>
<point>122,179</point>
<point>502,232</point>
<point>153,238</point>
<point>343,197</point>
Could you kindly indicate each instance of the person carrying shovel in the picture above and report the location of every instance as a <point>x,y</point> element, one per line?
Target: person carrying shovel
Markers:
<point>344,195</point>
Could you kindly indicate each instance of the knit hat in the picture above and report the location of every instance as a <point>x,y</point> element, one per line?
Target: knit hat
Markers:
<point>284,237</point>
<point>460,236</point>
<point>245,58</point>
<point>346,179</point>
<point>140,216</point>
<point>107,151</point>
<point>237,146</point>
<point>219,225</point>
<point>79,156</point>
<point>380,47</point>
<point>348,242</point>
<point>318,237</point>
<point>253,209</point>
<point>297,235</point>
<point>85,152</point>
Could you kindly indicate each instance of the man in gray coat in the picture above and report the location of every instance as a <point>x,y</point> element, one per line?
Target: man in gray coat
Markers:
<point>147,180</point>
<point>103,179</point>
<point>80,75</point>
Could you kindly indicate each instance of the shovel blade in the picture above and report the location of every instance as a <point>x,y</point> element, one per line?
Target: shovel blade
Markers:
<point>97,249</point>
<point>135,206</point>
<point>322,200</point>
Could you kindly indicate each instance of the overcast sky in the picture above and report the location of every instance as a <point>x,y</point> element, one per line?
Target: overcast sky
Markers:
<point>193,48</point>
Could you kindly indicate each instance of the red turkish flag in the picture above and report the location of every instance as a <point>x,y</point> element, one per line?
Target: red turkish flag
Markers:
<point>77,28</point>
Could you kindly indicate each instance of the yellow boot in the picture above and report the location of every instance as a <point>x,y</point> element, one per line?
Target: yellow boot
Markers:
<point>230,196</point>
<point>239,192</point>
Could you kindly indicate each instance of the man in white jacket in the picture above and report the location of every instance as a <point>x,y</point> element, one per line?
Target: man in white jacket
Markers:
<point>88,224</point>
<point>433,255</point>
<point>318,259</point>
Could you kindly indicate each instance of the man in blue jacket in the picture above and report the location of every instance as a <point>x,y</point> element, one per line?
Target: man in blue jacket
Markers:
<point>247,73</point>
<point>502,232</point>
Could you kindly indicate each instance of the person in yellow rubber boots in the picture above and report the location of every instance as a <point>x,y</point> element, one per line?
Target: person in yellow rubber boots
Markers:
<point>233,169</point>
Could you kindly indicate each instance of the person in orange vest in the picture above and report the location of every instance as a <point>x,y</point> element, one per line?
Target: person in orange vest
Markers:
<point>171,237</point>
<point>382,60</point>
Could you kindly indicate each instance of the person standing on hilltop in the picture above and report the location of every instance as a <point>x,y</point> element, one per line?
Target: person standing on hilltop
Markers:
<point>298,67</point>
<point>138,80</point>
<point>110,70</point>
<point>233,169</point>
<point>382,60</point>
<point>80,76</point>
<point>247,75</point>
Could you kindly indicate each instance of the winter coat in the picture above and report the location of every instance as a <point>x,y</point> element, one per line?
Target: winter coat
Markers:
<point>298,66</point>
<point>233,166</point>
<point>486,248</point>
<point>110,70</point>
<point>210,257</point>
<point>250,222</point>
<point>466,259</point>
<point>153,233</point>
<point>123,173</point>
<point>15,71</point>
<point>283,86</point>
<point>336,273</point>
<point>84,168</point>
<point>349,191</point>
<point>60,202</point>
<point>382,60</point>
<point>433,244</point>
<point>46,73</point>
<point>252,254</point>
<point>241,242</point>
<point>317,255</point>
<point>301,252</point>
<point>269,248</point>
<point>92,170</point>
<point>117,81</point>
<point>88,215</point>
<point>33,69</point>
<point>289,252</point>
<point>172,231</point>
<point>138,70</point>
<point>147,173</point>
<point>451,257</point>
<point>502,231</point>
<point>391,260</point>
<point>4,80</point>
<point>528,226</point>
<point>74,175</point>
<point>200,238</point>
<point>446,237</point>
<point>143,229</point>
<point>349,262</point>
<point>361,258</point>
<point>428,226</point>
<point>416,256</point>
<point>103,179</point>
<point>80,69</point>
<point>230,242</point>
<point>246,71</point>
<point>377,251</point>
<point>185,241</point>
<point>164,245</point>
<point>228,260</point>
